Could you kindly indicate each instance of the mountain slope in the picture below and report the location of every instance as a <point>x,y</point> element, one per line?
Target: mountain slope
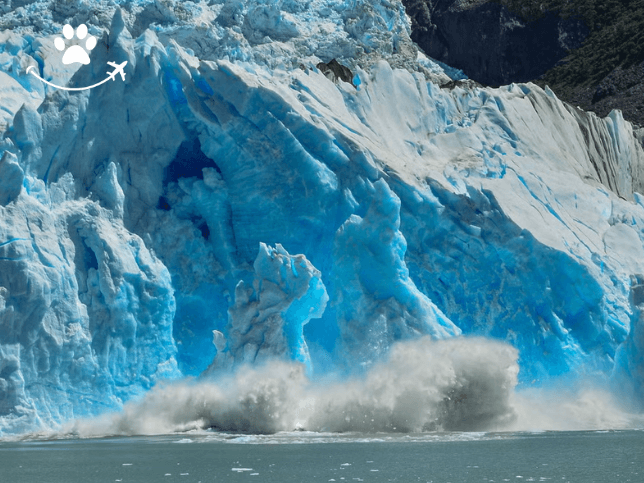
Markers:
<point>591,54</point>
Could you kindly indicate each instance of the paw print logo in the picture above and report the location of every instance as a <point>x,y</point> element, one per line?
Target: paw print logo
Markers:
<point>75,53</point>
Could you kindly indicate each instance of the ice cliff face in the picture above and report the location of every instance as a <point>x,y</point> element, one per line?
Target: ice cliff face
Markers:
<point>87,310</point>
<point>228,185</point>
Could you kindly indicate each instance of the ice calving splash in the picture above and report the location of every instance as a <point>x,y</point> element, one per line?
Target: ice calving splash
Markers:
<point>456,384</point>
<point>462,384</point>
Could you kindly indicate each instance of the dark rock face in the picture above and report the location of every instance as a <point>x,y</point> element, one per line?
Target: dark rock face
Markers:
<point>335,70</point>
<point>494,46</point>
<point>489,43</point>
<point>466,84</point>
<point>622,89</point>
<point>639,135</point>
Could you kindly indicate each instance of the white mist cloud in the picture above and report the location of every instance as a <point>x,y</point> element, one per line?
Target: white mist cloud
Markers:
<point>461,384</point>
<point>457,384</point>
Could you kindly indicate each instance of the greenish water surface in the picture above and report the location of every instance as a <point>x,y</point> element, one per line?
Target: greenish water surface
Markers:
<point>614,456</point>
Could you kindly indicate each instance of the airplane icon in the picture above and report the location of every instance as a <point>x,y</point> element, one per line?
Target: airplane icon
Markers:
<point>118,69</point>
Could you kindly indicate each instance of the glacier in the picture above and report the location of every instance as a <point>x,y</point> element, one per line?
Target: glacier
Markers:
<point>230,204</point>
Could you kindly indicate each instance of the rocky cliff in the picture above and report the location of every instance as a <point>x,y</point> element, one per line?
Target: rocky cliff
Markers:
<point>590,53</point>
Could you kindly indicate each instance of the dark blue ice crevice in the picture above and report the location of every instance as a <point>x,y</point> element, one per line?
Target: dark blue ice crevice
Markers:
<point>204,86</point>
<point>188,162</point>
<point>191,196</point>
<point>13,240</point>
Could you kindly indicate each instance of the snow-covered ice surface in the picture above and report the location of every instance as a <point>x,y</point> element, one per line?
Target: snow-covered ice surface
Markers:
<point>228,185</point>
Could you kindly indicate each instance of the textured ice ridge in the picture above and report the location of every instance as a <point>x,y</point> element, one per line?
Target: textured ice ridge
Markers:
<point>85,309</point>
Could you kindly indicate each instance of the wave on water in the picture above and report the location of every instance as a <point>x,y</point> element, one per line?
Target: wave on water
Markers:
<point>462,384</point>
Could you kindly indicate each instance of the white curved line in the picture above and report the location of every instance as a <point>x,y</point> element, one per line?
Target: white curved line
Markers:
<point>66,88</point>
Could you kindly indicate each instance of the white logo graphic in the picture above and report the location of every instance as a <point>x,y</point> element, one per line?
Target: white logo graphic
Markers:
<point>118,69</point>
<point>77,54</point>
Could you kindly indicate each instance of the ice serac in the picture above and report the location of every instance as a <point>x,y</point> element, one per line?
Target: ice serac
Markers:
<point>134,232</point>
<point>86,310</point>
<point>376,301</point>
<point>267,318</point>
<point>11,178</point>
<point>629,370</point>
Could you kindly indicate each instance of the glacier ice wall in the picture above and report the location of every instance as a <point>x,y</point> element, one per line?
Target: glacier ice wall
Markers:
<point>86,309</point>
<point>131,212</point>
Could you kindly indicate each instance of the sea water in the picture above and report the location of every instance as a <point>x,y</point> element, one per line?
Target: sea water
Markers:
<point>592,456</point>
